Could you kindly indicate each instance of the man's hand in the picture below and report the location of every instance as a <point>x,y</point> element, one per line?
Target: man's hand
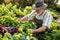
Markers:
<point>19,19</point>
<point>32,31</point>
<point>25,18</point>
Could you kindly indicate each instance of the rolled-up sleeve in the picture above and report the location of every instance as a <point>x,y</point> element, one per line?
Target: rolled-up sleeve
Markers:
<point>31,15</point>
<point>48,20</point>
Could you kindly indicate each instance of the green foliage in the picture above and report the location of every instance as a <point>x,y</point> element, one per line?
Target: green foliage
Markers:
<point>53,12</point>
<point>27,9</point>
<point>6,36</point>
<point>9,21</point>
<point>54,25</point>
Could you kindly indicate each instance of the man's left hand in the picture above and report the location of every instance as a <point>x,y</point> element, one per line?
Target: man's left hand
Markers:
<point>32,31</point>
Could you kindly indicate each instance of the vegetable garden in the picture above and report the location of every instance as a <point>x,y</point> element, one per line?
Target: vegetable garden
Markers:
<point>9,15</point>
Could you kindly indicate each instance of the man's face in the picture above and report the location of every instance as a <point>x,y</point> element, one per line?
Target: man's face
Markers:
<point>39,11</point>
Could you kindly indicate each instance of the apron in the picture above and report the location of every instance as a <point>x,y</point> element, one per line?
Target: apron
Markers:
<point>39,23</point>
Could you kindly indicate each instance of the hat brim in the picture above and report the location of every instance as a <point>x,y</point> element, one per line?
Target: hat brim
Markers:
<point>34,7</point>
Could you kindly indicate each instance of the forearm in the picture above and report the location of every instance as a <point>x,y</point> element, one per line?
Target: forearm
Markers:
<point>25,18</point>
<point>41,29</point>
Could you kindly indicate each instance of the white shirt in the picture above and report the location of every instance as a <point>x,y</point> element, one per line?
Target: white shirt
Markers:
<point>47,18</point>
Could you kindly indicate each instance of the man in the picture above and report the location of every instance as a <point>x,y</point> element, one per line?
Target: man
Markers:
<point>42,18</point>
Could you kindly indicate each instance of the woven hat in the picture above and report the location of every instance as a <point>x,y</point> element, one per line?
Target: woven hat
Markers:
<point>39,4</point>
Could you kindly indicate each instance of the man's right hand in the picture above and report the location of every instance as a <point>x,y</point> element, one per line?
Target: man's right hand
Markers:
<point>25,18</point>
<point>18,19</point>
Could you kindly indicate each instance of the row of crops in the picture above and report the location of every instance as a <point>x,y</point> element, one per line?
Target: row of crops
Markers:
<point>9,15</point>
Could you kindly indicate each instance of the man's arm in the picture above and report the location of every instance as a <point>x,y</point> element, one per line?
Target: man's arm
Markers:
<point>41,29</point>
<point>28,17</point>
<point>25,18</point>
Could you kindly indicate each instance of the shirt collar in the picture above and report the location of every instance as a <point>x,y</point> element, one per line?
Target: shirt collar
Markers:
<point>42,14</point>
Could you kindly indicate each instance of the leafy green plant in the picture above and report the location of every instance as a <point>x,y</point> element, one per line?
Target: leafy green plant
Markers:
<point>53,13</point>
<point>27,9</point>
<point>9,21</point>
